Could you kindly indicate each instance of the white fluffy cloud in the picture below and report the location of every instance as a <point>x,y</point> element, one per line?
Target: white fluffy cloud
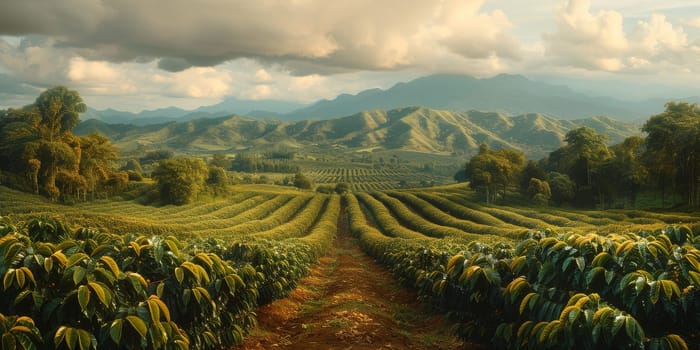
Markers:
<point>600,41</point>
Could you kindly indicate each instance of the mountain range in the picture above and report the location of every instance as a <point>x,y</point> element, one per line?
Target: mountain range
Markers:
<point>416,129</point>
<point>508,94</point>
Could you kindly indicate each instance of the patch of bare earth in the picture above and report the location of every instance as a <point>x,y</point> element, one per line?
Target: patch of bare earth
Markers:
<point>349,302</point>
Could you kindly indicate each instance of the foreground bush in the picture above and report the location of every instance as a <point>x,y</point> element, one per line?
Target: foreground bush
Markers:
<point>555,291</point>
<point>88,289</point>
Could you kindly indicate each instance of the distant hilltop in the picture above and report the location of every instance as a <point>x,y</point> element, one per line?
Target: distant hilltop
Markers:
<point>416,129</point>
<point>508,94</point>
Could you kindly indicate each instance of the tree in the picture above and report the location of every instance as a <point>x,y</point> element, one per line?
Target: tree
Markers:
<point>673,145</point>
<point>133,165</point>
<point>586,148</point>
<point>539,191</point>
<point>217,180</point>
<point>97,161</point>
<point>155,156</point>
<point>624,174</point>
<point>301,181</point>
<point>54,155</point>
<point>180,179</point>
<point>34,165</point>
<point>220,160</point>
<point>59,109</point>
<point>532,170</point>
<point>490,171</point>
<point>562,187</point>
<point>36,144</point>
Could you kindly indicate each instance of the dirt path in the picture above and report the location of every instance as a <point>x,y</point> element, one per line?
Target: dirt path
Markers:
<point>349,302</point>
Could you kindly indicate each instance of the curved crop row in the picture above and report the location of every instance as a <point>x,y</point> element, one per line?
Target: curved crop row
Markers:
<point>296,226</point>
<point>272,215</point>
<point>462,212</point>
<point>505,215</point>
<point>428,211</point>
<point>383,217</point>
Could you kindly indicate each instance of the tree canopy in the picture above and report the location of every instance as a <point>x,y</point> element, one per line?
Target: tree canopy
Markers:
<point>37,146</point>
<point>491,172</point>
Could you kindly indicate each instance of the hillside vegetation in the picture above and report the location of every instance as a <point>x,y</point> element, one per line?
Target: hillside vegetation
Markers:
<point>413,129</point>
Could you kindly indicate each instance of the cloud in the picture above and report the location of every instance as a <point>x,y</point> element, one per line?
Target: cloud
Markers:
<point>81,70</point>
<point>599,41</point>
<point>333,36</point>
<point>587,40</point>
<point>693,22</point>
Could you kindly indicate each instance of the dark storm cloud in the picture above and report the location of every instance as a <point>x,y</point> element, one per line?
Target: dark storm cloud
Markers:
<point>335,35</point>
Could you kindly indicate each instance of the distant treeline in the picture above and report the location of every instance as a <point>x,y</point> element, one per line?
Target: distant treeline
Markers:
<point>273,162</point>
<point>586,172</point>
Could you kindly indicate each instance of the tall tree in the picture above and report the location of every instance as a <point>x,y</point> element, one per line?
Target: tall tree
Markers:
<point>59,110</point>
<point>585,147</point>
<point>673,141</point>
<point>97,161</point>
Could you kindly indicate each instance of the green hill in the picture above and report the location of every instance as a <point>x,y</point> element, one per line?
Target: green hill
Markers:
<point>414,129</point>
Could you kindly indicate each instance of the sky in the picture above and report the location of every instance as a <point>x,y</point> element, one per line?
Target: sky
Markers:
<point>145,54</point>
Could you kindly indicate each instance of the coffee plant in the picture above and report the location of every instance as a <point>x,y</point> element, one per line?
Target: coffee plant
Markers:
<point>554,291</point>
<point>86,289</point>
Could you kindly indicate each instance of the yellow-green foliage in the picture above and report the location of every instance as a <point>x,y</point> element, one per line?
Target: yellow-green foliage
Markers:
<point>296,226</point>
<point>323,232</point>
<point>503,214</point>
<point>271,214</point>
<point>386,221</point>
<point>439,217</point>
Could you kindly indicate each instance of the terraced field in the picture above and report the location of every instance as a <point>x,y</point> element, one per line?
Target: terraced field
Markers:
<point>366,179</point>
<point>249,214</point>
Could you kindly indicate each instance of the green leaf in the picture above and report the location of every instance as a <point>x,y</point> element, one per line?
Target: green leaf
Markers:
<point>83,297</point>
<point>48,265</point>
<point>138,325</point>
<point>111,264</point>
<point>154,311</point>
<point>115,331</point>
<point>161,305</point>
<point>524,302</point>
<point>179,275</point>
<point>103,294</point>
<point>78,274</point>
<point>8,342</point>
<point>675,342</point>
<point>84,339</point>
<point>633,329</point>
<point>581,263</point>
<point>159,289</point>
<point>670,288</point>
<point>654,291</point>
<point>71,338</point>
<point>75,259</point>
<point>26,342</point>
<point>695,277</point>
<point>609,276</point>
<point>59,336</point>
<point>593,274</point>
<point>7,279</point>
<point>19,275</point>
<point>693,262</point>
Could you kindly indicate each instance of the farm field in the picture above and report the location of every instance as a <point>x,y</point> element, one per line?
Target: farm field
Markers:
<point>419,235</point>
<point>366,179</point>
